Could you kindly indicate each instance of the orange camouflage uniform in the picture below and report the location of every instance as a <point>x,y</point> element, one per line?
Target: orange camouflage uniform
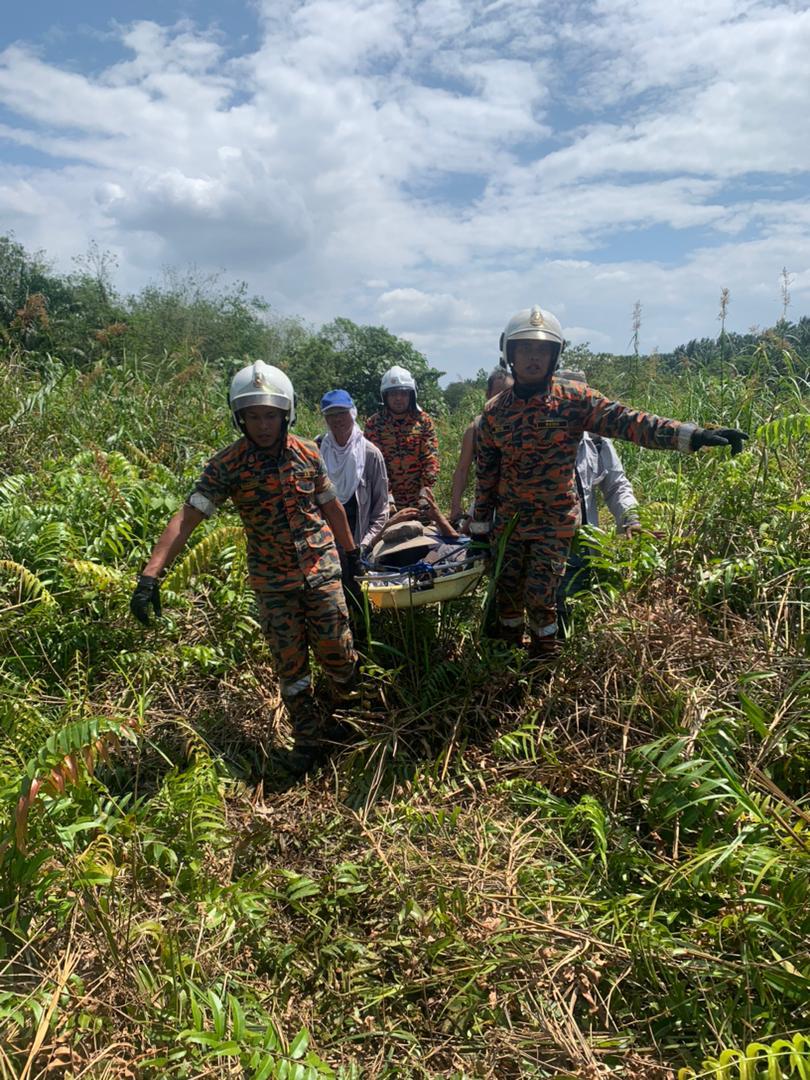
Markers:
<point>293,564</point>
<point>410,449</point>
<point>525,459</point>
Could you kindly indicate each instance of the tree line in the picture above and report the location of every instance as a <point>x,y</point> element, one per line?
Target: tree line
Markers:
<point>81,319</point>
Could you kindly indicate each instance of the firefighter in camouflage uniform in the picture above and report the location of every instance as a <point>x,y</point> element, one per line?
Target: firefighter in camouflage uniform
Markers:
<point>526,453</point>
<point>291,516</point>
<point>406,436</point>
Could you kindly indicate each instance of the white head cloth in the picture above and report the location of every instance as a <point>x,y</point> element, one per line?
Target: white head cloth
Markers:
<point>345,464</point>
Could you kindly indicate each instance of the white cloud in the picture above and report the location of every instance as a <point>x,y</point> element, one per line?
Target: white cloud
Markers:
<point>420,310</point>
<point>243,213</point>
<point>327,164</point>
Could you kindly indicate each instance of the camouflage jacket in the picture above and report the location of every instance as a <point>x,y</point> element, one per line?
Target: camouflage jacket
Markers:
<point>278,500</point>
<point>410,449</point>
<point>527,450</point>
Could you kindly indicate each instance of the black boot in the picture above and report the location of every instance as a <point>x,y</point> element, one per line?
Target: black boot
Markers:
<point>545,649</point>
<point>307,730</point>
<point>510,635</point>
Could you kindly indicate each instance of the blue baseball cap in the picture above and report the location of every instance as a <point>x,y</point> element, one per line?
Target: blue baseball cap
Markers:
<point>336,399</point>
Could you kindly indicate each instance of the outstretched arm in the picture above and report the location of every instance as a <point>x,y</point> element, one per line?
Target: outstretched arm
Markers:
<point>618,421</point>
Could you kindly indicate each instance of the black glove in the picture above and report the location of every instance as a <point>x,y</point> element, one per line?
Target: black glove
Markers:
<point>722,436</point>
<point>354,565</point>
<point>146,593</point>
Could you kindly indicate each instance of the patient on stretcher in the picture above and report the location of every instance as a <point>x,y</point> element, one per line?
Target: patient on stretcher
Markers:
<point>417,536</point>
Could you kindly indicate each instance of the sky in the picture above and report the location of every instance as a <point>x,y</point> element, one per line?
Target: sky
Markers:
<point>428,165</point>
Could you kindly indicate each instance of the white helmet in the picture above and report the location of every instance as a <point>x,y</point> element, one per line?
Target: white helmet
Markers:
<point>261,384</point>
<point>398,378</point>
<point>532,324</point>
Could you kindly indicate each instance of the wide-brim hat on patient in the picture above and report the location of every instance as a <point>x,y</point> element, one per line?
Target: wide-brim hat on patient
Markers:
<point>403,544</point>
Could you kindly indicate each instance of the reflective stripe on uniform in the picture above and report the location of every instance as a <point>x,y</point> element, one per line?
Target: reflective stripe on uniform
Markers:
<point>480,528</point>
<point>199,502</point>
<point>289,690</point>
<point>512,622</point>
<point>684,439</point>
<point>542,631</point>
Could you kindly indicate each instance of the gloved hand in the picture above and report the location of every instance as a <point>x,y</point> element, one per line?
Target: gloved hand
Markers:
<point>354,565</point>
<point>722,436</point>
<point>146,593</point>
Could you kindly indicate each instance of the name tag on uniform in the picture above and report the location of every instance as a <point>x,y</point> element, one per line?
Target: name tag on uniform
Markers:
<point>553,422</point>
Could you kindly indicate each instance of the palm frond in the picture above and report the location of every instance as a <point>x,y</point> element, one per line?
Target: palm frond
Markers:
<point>785,430</point>
<point>227,538</point>
<point>103,578</point>
<point>29,587</point>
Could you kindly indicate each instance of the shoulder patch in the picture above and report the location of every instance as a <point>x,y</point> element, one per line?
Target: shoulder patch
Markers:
<point>232,453</point>
<point>305,447</point>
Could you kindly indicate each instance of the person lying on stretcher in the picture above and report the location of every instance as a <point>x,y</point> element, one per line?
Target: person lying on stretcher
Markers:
<point>417,535</point>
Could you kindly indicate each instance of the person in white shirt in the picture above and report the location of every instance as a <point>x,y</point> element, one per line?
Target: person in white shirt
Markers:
<point>598,466</point>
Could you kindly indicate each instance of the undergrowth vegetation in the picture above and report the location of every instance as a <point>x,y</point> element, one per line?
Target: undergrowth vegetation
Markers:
<point>605,872</point>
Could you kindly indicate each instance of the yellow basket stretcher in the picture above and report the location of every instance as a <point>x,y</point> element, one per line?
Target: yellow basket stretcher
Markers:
<point>422,584</point>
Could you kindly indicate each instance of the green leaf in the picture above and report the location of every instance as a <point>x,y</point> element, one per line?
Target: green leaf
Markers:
<point>300,887</point>
<point>238,1025</point>
<point>317,1063</point>
<point>298,1047</point>
<point>201,1038</point>
<point>218,1014</point>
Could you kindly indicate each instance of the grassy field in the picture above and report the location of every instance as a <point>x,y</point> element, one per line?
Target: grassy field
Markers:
<point>604,873</point>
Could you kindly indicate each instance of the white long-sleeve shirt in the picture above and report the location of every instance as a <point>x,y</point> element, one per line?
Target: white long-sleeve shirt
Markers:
<point>599,466</point>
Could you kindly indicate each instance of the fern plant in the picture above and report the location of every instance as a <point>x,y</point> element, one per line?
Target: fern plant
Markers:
<point>28,587</point>
<point>785,430</point>
<point>60,762</point>
<point>225,542</point>
<point>782,1059</point>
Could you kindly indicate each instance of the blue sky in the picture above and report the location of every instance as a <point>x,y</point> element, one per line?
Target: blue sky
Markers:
<point>431,165</point>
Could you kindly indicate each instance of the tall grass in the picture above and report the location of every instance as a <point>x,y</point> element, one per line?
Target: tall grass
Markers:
<point>603,872</point>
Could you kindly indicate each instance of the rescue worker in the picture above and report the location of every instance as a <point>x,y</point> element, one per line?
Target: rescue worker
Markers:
<point>406,435</point>
<point>291,516</point>
<point>357,469</point>
<point>498,380</point>
<point>527,446</point>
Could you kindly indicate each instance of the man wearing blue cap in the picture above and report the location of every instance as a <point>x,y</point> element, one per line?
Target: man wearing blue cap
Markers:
<point>357,470</point>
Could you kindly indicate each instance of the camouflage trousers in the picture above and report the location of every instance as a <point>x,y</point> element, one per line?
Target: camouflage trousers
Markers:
<point>296,619</point>
<point>530,576</point>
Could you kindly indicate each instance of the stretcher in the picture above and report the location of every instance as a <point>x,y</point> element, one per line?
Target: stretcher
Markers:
<point>422,583</point>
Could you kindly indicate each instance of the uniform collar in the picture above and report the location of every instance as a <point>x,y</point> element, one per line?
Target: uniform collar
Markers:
<point>267,457</point>
<point>535,390</point>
